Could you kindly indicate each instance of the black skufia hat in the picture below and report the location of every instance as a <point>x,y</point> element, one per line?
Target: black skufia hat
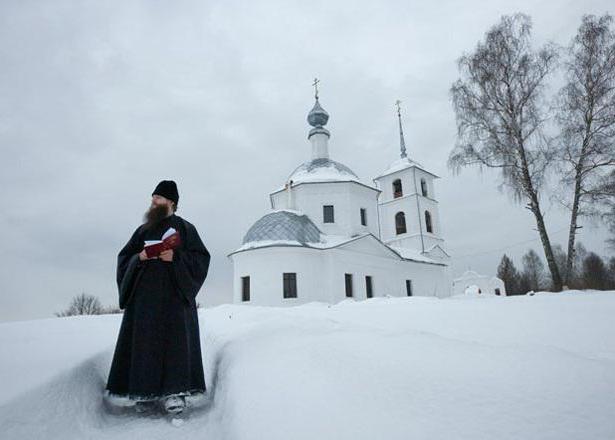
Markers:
<point>168,190</point>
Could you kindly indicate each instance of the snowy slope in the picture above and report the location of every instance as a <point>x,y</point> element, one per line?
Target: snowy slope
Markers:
<point>540,367</point>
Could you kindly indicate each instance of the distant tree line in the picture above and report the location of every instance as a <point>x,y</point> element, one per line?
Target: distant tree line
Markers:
<point>559,146</point>
<point>85,304</point>
<point>589,271</point>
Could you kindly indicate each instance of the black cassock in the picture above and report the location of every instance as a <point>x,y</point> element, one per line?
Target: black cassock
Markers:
<point>158,351</point>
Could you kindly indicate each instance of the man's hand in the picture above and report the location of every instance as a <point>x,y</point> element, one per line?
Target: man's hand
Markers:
<point>167,255</point>
<point>143,256</point>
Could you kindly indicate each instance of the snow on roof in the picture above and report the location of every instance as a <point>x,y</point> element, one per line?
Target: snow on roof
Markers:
<point>332,241</point>
<point>267,243</point>
<point>325,242</point>
<point>329,241</point>
<point>323,170</point>
<point>401,164</point>
<point>412,254</point>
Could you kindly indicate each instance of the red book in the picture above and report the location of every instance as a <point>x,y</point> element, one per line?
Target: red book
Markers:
<point>170,240</point>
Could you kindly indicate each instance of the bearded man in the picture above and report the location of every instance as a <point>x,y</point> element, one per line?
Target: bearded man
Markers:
<point>157,358</point>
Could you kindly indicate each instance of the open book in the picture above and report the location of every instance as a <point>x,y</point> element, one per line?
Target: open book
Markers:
<point>170,240</point>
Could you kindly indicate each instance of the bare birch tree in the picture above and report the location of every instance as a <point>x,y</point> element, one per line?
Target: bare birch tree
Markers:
<point>586,115</point>
<point>498,102</point>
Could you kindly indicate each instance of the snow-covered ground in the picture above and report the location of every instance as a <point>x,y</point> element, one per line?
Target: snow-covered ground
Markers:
<point>534,367</point>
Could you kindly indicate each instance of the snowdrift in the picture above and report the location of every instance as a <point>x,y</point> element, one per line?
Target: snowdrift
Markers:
<point>540,367</point>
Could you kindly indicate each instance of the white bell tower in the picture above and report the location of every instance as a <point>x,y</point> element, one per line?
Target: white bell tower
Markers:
<point>407,205</point>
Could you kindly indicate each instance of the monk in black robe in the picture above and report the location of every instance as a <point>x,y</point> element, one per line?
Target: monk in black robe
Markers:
<point>158,352</point>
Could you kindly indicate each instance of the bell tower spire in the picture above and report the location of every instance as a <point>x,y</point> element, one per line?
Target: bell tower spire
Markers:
<point>402,142</point>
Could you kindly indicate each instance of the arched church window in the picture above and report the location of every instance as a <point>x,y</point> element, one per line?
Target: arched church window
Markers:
<point>424,187</point>
<point>428,224</point>
<point>400,223</point>
<point>397,190</point>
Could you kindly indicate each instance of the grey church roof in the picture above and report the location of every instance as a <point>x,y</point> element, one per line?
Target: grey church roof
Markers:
<point>283,226</point>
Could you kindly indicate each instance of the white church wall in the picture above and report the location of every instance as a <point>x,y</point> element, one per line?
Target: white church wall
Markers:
<point>279,200</point>
<point>362,197</point>
<point>320,275</point>
<point>313,196</point>
<point>388,274</point>
<point>266,266</point>
<point>417,175</point>
<point>412,238</point>
<point>346,197</point>
<point>428,203</point>
<point>385,184</point>
<point>413,205</point>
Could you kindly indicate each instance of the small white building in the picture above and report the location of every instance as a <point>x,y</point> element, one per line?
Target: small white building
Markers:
<point>330,236</point>
<point>472,283</point>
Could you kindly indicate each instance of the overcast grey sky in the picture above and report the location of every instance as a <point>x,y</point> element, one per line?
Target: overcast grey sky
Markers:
<point>101,100</point>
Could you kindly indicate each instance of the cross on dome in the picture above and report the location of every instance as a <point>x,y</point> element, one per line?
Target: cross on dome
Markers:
<point>315,84</point>
<point>318,116</point>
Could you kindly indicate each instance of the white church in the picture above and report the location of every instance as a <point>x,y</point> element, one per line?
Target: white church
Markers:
<point>330,237</point>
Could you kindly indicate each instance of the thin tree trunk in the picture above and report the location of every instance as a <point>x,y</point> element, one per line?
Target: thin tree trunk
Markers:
<point>546,243</point>
<point>573,229</point>
<point>574,214</point>
<point>534,207</point>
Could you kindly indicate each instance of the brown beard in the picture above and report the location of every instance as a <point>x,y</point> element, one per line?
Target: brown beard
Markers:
<point>154,215</point>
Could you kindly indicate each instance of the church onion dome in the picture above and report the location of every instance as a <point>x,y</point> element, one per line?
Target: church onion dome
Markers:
<point>283,227</point>
<point>318,116</point>
<point>322,170</point>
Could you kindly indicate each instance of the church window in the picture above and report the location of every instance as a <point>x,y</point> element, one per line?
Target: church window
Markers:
<point>428,224</point>
<point>245,288</point>
<point>400,223</point>
<point>424,187</point>
<point>327,214</point>
<point>369,292</point>
<point>409,287</point>
<point>348,284</point>
<point>397,191</point>
<point>363,216</point>
<point>290,285</point>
